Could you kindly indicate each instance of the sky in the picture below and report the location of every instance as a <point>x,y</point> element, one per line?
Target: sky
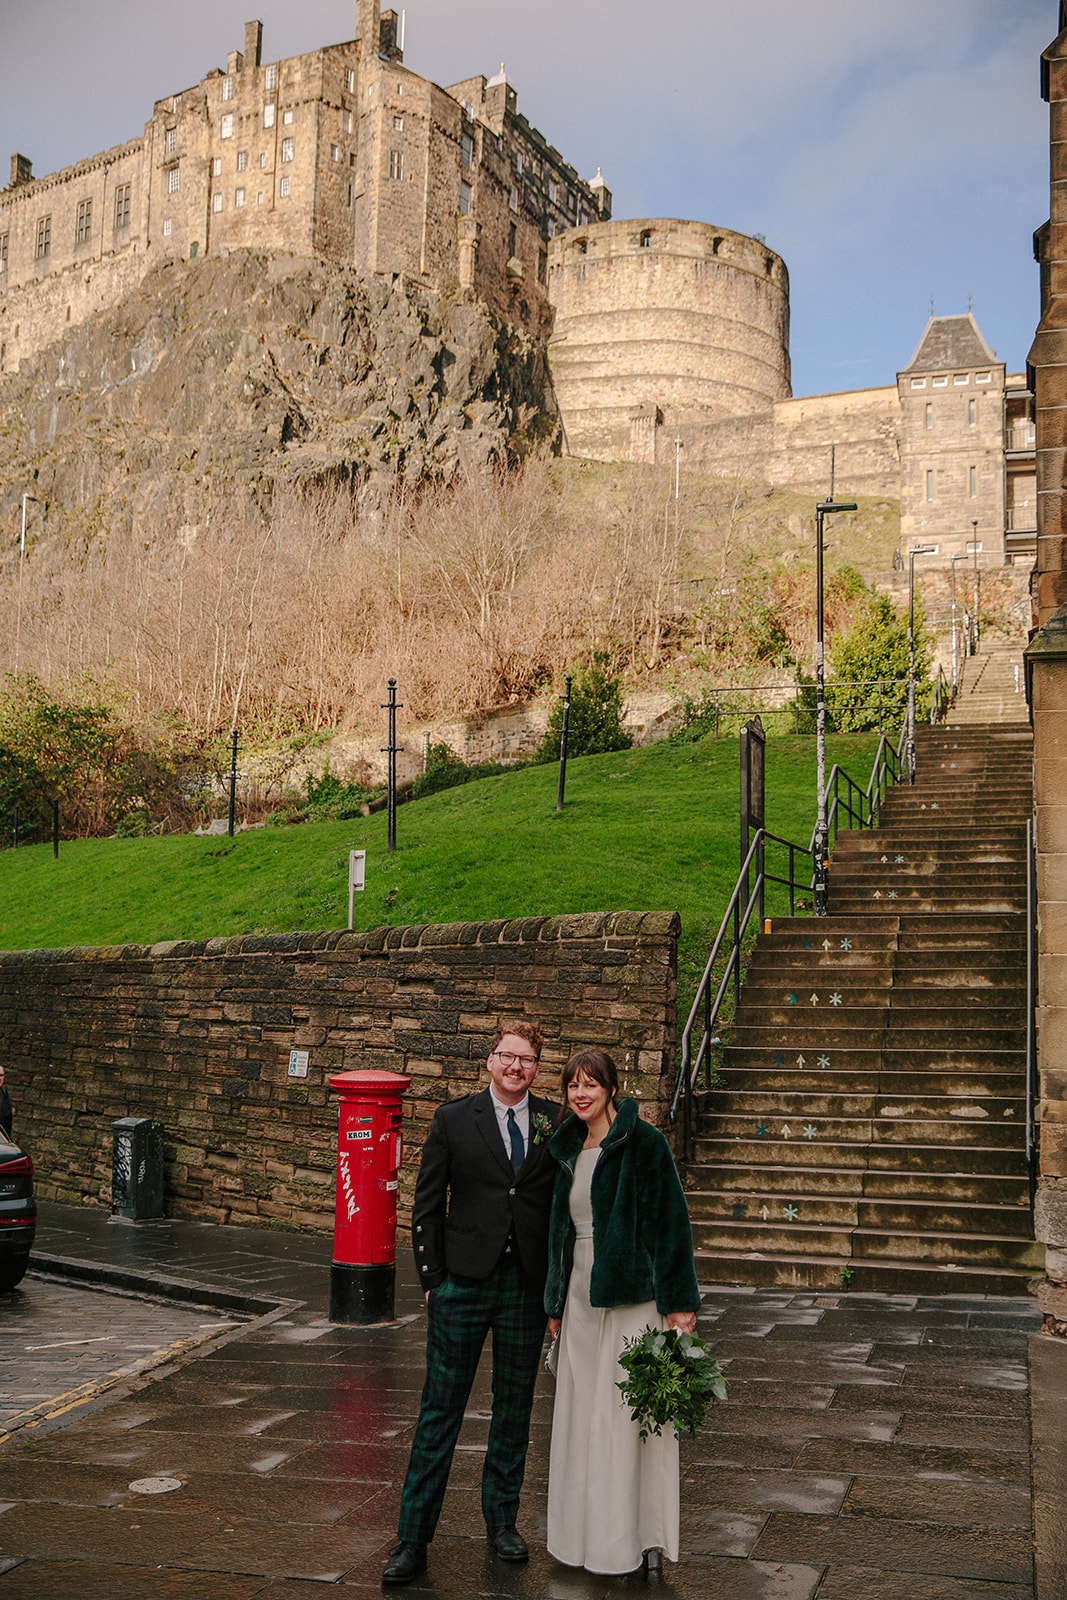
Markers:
<point>891,151</point>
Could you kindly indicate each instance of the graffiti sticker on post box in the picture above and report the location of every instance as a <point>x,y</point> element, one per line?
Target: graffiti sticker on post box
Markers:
<point>360,1133</point>
<point>298,1063</point>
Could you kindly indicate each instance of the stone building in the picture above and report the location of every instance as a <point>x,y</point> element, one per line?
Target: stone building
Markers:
<point>342,154</point>
<point>660,323</point>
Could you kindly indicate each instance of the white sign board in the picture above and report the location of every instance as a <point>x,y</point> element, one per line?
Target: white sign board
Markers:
<point>298,1063</point>
<point>357,875</point>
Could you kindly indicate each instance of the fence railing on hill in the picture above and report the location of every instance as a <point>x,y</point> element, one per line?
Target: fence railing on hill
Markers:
<point>878,705</point>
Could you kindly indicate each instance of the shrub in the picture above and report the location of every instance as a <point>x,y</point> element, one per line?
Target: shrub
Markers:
<point>595,722</point>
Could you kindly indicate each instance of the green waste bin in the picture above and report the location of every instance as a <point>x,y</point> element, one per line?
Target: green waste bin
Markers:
<point>137,1168</point>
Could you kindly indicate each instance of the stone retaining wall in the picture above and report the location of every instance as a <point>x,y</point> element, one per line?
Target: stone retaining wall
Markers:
<point>198,1036</point>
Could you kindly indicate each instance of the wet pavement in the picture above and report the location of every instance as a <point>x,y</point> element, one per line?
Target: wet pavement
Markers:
<point>873,1447</point>
<point>63,1346</point>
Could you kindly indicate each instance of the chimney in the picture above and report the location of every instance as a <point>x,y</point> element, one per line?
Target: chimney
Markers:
<point>21,171</point>
<point>253,43</point>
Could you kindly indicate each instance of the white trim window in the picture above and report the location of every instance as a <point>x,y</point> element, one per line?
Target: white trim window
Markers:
<point>216,202</point>
<point>227,88</point>
<point>288,150</point>
<point>268,115</point>
<point>174,180</point>
<point>238,198</point>
<point>226,130</point>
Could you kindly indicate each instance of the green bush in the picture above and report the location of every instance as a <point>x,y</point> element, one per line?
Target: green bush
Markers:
<point>331,800</point>
<point>873,649</point>
<point>446,770</point>
<point>595,722</point>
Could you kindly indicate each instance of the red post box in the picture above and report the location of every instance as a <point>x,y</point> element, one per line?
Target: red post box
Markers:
<point>370,1147</point>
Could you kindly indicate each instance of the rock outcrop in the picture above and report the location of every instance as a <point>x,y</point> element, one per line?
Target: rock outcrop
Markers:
<point>217,381</point>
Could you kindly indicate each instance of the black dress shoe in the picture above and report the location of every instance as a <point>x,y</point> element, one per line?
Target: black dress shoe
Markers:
<point>405,1563</point>
<point>508,1545</point>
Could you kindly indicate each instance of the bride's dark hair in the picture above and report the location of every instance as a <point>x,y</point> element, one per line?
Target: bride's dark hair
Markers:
<point>595,1064</point>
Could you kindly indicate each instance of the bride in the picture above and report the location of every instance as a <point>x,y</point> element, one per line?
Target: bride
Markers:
<point>620,1260</point>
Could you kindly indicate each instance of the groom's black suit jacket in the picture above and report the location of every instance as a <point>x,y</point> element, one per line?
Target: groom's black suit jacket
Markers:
<point>468,1200</point>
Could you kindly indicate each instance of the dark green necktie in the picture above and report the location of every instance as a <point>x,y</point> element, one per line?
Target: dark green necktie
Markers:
<point>518,1149</point>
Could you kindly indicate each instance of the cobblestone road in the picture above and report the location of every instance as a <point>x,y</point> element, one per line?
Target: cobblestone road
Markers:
<point>62,1345</point>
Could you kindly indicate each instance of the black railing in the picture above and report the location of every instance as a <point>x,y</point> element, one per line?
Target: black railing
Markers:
<point>1031,1006</point>
<point>723,969</point>
<point>879,708</point>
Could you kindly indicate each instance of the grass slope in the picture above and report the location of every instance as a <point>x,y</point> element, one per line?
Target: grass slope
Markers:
<point>649,829</point>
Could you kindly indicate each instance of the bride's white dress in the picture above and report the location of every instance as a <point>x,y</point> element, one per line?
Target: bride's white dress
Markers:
<point>611,1496</point>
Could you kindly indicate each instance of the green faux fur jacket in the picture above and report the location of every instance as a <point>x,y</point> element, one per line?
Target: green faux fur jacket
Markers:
<point>642,1241</point>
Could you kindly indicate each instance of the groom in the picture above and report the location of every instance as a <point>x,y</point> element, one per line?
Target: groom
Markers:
<point>480,1229</point>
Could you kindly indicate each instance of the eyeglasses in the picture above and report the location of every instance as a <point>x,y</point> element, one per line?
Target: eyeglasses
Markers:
<point>508,1059</point>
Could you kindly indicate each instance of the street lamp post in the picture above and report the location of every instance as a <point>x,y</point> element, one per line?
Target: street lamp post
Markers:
<point>916,550</point>
<point>819,887</point>
<point>974,547</point>
<point>955,656</point>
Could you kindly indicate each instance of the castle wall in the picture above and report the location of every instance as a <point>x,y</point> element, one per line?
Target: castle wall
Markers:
<point>676,315</point>
<point>860,425</point>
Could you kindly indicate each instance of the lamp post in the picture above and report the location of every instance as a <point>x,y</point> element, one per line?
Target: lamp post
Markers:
<point>916,550</point>
<point>824,509</point>
<point>33,500</point>
<point>955,657</point>
<point>974,547</point>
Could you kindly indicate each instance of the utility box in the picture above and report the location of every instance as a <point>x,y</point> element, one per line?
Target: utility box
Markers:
<point>137,1168</point>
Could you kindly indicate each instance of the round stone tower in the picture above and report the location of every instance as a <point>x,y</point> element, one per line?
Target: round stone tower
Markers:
<point>663,325</point>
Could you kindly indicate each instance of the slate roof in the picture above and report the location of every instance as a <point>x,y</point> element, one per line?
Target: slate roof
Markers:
<point>950,342</point>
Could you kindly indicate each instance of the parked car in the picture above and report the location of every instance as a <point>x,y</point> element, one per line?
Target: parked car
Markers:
<point>18,1212</point>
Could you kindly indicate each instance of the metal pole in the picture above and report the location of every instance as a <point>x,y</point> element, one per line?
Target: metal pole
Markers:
<point>233,781</point>
<point>391,749</point>
<point>974,547</point>
<point>955,652</point>
<point>55,830</point>
<point>22,557</point>
<point>819,864</point>
<point>909,747</point>
<point>563,745</point>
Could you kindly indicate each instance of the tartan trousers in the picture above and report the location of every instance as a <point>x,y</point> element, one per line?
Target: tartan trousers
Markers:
<point>460,1315</point>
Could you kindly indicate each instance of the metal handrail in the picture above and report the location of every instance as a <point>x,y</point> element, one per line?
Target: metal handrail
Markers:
<point>792,697</point>
<point>1031,1004</point>
<point>888,767</point>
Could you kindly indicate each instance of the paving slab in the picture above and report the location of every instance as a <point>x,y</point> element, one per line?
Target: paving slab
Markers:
<point>858,1457</point>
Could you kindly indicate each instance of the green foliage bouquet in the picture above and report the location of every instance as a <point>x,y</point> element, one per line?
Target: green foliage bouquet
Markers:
<point>671,1377</point>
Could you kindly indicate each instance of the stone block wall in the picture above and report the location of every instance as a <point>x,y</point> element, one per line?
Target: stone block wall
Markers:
<point>198,1036</point>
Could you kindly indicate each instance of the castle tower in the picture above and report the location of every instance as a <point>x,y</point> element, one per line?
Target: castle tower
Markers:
<point>678,322</point>
<point>952,441</point>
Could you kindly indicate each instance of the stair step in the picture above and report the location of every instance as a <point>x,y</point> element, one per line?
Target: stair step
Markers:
<point>978,1188</point>
<point>785,1270</point>
<point>897,1215</point>
<point>993,1158</point>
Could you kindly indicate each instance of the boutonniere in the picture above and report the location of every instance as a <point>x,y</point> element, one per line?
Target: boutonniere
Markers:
<point>542,1128</point>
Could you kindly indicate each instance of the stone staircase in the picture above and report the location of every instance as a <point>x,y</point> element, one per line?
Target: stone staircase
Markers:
<point>870,1127</point>
<point>991,683</point>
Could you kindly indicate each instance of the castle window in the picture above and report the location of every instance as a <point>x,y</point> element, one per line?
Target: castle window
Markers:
<point>582,217</point>
<point>271,80</point>
<point>646,239</point>
<point>972,413</point>
<point>513,198</point>
<point>227,126</point>
<point>929,486</point>
<point>346,121</point>
<point>983,377</point>
<point>242,160</point>
<point>263,158</point>
<point>283,188</point>
<point>166,227</point>
<point>553,189</point>
<point>940,383</point>
<point>3,252</point>
<point>918,383</point>
<point>287,118</point>
<point>961,379</point>
<point>929,416</point>
<point>715,244</point>
<point>83,227</point>
<point>288,149</point>
<point>511,239</point>
<point>259,198</point>
<point>335,152</point>
<point>396,163</point>
<point>227,88</point>
<point>550,227</point>
<point>542,266</point>
<point>464,198</point>
<point>398,124</point>
<point>350,79</point>
<point>122,206</point>
<point>268,115</point>
<point>466,149</point>
<point>768,265</point>
<point>172,139</point>
<point>238,197</point>
<point>972,484</point>
<point>216,202</point>
<point>518,163</point>
<point>174,180</point>
<point>583,246</point>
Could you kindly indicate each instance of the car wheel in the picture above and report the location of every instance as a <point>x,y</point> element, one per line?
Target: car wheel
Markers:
<point>11,1271</point>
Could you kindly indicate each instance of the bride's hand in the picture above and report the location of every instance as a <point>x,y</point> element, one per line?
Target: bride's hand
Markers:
<point>554,1325</point>
<point>680,1321</point>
